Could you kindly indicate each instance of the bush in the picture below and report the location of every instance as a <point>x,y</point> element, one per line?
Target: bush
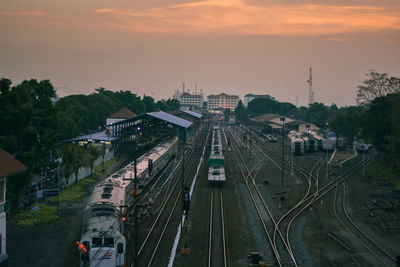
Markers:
<point>45,214</point>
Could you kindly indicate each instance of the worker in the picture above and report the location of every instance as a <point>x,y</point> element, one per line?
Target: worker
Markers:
<point>81,248</point>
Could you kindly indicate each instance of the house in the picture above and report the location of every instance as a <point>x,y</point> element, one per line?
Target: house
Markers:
<point>120,115</point>
<point>9,166</point>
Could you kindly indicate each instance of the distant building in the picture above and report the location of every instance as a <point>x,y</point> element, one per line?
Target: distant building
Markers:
<point>187,99</point>
<point>120,115</point>
<point>222,101</point>
<point>8,166</point>
<point>249,97</point>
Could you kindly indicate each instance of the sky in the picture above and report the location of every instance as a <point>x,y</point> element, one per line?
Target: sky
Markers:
<point>233,46</point>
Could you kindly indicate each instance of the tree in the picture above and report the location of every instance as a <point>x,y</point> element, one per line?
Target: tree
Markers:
<point>242,113</point>
<point>149,102</point>
<point>93,153</point>
<point>378,85</point>
<point>5,85</point>
<point>173,104</point>
<point>226,114</point>
<point>68,156</point>
<point>349,123</point>
<point>317,113</point>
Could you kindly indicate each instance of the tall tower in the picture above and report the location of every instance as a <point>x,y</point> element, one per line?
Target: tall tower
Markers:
<point>310,91</point>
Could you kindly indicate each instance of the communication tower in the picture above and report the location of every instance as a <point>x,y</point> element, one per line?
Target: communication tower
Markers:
<point>310,91</point>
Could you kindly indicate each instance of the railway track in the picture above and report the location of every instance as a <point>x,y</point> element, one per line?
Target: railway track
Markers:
<point>168,210</point>
<point>313,194</point>
<point>217,250</point>
<point>339,207</point>
<point>280,250</point>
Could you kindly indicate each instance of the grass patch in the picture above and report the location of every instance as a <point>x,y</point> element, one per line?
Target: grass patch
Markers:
<point>379,169</point>
<point>343,154</point>
<point>46,214</point>
<point>77,191</point>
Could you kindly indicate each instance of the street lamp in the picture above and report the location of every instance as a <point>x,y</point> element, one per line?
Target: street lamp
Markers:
<point>326,168</point>
<point>282,119</point>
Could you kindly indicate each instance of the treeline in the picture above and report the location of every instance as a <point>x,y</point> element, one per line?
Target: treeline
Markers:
<point>376,118</point>
<point>34,120</point>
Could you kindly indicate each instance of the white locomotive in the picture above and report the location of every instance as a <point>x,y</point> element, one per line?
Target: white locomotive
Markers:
<point>103,232</point>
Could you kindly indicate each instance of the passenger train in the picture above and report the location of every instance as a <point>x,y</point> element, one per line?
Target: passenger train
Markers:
<point>216,170</point>
<point>103,225</point>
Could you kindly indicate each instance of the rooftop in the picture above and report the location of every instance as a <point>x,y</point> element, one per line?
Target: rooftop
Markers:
<point>9,165</point>
<point>123,113</point>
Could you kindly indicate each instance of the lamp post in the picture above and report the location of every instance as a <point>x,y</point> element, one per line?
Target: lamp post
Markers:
<point>291,150</point>
<point>326,168</point>
<point>282,119</point>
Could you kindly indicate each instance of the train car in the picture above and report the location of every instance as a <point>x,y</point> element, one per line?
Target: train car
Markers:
<point>328,143</point>
<point>310,144</point>
<point>297,145</point>
<point>216,175</point>
<point>216,171</point>
<point>103,227</point>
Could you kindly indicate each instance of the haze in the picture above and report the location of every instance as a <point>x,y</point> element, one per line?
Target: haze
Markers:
<point>233,46</point>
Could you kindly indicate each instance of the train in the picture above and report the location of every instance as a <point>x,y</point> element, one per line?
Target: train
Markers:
<point>216,169</point>
<point>103,218</point>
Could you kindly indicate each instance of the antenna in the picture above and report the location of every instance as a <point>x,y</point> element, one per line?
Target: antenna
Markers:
<point>310,91</point>
<point>297,101</point>
<point>183,87</point>
<point>195,88</point>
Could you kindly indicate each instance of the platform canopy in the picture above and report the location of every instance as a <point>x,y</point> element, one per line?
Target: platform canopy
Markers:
<point>195,114</point>
<point>99,136</point>
<point>171,119</point>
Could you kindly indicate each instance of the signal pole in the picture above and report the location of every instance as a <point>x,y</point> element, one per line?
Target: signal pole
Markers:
<point>282,119</point>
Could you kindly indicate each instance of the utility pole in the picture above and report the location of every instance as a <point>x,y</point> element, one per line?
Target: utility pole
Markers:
<point>363,162</point>
<point>282,119</point>
<point>135,193</point>
<point>291,150</point>
<point>327,155</point>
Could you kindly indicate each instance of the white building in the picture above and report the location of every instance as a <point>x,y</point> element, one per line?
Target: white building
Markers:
<point>249,97</point>
<point>222,101</point>
<point>8,166</point>
<point>187,99</point>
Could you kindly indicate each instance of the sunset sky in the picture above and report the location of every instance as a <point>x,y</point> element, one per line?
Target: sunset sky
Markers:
<point>234,46</point>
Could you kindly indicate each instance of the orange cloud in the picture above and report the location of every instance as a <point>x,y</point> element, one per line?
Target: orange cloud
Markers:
<point>240,17</point>
<point>21,13</point>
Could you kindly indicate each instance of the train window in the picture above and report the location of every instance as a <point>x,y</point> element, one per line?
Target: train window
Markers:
<point>215,173</point>
<point>109,241</point>
<point>105,195</point>
<point>107,190</point>
<point>96,242</point>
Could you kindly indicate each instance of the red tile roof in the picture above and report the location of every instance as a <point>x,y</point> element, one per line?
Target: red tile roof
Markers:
<point>9,165</point>
<point>123,113</point>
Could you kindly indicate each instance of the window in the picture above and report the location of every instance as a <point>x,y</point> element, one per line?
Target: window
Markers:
<point>108,241</point>
<point>96,242</point>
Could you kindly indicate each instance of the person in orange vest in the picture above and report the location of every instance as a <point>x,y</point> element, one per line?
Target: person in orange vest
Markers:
<point>81,248</point>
